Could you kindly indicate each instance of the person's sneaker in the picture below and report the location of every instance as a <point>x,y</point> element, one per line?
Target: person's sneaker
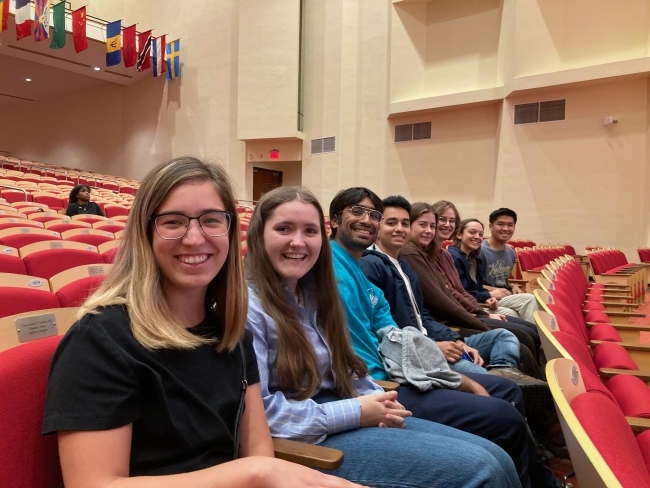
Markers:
<point>537,394</point>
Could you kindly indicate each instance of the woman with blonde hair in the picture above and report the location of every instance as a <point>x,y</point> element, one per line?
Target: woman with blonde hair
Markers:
<point>148,388</point>
<point>315,389</point>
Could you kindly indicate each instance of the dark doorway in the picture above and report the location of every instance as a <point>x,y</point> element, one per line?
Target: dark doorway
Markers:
<point>265,180</point>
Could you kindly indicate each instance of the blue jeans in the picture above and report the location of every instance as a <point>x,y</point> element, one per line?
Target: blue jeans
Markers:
<point>423,455</point>
<point>499,348</point>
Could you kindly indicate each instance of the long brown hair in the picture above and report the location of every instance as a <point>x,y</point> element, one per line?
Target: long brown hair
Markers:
<point>137,282</point>
<point>417,210</point>
<point>296,362</point>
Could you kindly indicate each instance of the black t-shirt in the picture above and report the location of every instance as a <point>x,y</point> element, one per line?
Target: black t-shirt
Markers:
<point>182,403</point>
<point>91,208</point>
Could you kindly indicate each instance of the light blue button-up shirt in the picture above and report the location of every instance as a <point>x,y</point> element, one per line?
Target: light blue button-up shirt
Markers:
<point>302,420</point>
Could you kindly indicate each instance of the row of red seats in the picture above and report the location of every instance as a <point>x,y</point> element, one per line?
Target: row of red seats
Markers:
<point>16,199</point>
<point>581,330</point>
<point>537,259</point>
<point>613,264</point>
<point>644,254</point>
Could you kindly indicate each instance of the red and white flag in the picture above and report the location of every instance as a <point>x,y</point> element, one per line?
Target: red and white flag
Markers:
<point>23,19</point>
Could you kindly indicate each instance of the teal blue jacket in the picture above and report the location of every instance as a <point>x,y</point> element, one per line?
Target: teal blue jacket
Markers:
<point>366,309</point>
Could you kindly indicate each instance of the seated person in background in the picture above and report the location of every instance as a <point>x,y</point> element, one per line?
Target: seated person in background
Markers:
<point>421,254</point>
<point>315,389</point>
<point>499,258</point>
<point>146,389</point>
<point>390,273</point>
<point>79,202</point>
<point>466,252</point>
<point>355,214</point>
<point>448,219</point>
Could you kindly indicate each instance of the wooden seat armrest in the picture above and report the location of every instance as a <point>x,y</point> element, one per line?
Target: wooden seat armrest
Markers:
<point>609,372</point>
<point>626,327</point>
<point>307,454</point>
<point>518,282</point>
<point>638,424</point>
<point>622,314</point>
<point>615,287</point>
<point>625,345</point>
<point>388,385</point>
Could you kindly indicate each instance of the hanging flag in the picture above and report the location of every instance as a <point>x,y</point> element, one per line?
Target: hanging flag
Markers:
<point>79,29</point>
<point>158,53</point>
<point>23,19</point>
<point>114,43</point>
<point>128,46</point>
<point>41,19</point>
<point>4,15</point>
<point>174,59</point>
<point>144,51</point>
<point>58,14</point>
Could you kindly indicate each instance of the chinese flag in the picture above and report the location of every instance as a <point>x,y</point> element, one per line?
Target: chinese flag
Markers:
<point>128,46</point>
<point>79,29</point>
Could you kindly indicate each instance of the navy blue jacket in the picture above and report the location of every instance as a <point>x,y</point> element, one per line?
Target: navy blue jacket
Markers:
<point>382,273</point>
<point>474,288</point>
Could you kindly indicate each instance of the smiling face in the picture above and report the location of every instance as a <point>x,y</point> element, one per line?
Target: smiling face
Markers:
<point>503,228</point>
<point>471,237</point>
<point>423,230</point>
<point>293,240</point>
<point>189,264</point>
<point>356,233</point>
<point>394,230</point>
<point>447,224</point>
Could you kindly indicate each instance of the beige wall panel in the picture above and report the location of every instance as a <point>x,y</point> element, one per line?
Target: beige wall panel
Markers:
<point>457,164</point>
<point>462,43</point>
<point>269,47</point>
<point>408,51</point>
<point>578,181</point>
<point>346,94</point>
<point>554,35</point>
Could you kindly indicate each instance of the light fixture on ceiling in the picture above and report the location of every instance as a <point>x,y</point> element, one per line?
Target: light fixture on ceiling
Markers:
<point>97,68</point>
<point>28,79</point>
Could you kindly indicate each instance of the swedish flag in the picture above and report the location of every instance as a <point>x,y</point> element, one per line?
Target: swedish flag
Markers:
<point>174,59</point>
<point>114,43</point>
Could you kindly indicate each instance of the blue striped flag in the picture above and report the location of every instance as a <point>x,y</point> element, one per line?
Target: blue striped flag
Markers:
<point>114,43</point>
<point>174,59</point>
<point>158,53</point>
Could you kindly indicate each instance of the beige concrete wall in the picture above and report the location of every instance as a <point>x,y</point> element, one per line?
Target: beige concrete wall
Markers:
<point>269,54</point>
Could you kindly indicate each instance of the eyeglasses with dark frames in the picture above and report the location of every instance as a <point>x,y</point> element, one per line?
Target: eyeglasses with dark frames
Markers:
<point>358,211</point>
<point>172,225</point>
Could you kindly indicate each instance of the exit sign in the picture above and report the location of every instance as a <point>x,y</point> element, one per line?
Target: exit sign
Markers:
<point>274,154</point>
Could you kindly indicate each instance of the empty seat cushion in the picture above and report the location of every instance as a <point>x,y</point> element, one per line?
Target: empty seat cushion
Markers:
<point>643,441</point>
<point>75,293</point>
<point>604,332</point>
<point>12,264</point>
<point>15,300</point>
<point>607,428</point>
<point>610,355</point>
<point>46,264</point>
<point>632,394</point>
<point>597,316</point>
<point>579,351</point>
<point>592,304</point>
<point>594,385</point>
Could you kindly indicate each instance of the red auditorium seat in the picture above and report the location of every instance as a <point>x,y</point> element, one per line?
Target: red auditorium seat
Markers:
<point>48,258</point>
<point>109,251</point>
<point>26,236</point>
<point>75,293</point>
<point>64,224</point>
<point>15,196</point>
<point>8,222</point>
<point>10,262</point>
<point>14,300</point>
<point>115,210</point>
<point>29,459</point>
<point>49,199</point>
<point>110,226</point>
<point>43,217</point>
<point>87,218</point>
<point>94,237</point>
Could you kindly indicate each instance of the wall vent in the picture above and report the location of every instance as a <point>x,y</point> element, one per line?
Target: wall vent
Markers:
<point>324,145</point>
<point>532,113</point>
<point>413,132</point>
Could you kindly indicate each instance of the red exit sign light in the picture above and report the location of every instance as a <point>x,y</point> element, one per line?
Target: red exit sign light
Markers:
<point>274,154</point>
